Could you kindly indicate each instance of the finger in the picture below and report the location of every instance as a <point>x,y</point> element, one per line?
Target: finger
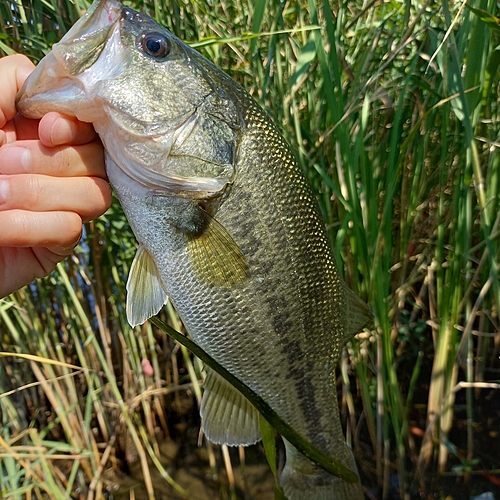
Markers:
<point>21,228</point>
<point>56,129</point>
<point>24,128</point>
<point>89,197</point>
<point>20,263</point>
<point>28,264</point>
<point>14,70</point>
<point>34,158</point>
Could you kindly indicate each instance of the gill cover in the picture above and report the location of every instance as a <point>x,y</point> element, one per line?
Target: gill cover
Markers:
<point>162,119</point>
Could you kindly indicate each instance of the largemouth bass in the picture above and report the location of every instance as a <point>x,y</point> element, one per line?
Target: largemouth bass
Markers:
<point>228,228</point>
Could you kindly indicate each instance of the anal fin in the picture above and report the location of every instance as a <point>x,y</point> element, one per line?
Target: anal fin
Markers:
<point>145,293</point>
<point>227,417</point>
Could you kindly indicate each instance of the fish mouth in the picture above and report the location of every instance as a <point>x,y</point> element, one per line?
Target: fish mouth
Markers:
<point>54,84</point>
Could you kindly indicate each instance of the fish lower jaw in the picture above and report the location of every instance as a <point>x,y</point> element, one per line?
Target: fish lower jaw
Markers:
<point>36,106</point>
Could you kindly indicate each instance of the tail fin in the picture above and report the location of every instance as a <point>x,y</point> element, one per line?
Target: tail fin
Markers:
<point>303,480</point>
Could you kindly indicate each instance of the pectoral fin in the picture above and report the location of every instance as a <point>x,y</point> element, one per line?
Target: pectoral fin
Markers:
<point>214,254</point>
<point>227,417</point>
<point>145,293</point>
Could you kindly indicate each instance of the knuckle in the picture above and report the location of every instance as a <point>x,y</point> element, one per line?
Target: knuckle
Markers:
<point>62,162</point>
<point>32,192</point>
<point>71,229</point>
<point>99,198</point>
<point>92,158</point>
<point>21,59</point>
<point>106,194</point>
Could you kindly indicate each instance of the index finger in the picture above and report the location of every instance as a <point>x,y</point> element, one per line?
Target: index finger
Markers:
<point>13,71</point>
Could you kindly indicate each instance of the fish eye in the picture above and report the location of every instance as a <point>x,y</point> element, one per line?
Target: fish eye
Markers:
<point>156,45</point>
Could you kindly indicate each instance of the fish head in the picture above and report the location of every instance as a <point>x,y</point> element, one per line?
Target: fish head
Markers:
<point>157,104</point>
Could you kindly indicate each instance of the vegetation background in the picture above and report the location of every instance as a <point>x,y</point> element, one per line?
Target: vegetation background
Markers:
<point>392,107</point>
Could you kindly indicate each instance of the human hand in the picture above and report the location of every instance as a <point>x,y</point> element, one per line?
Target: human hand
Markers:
<point>52,179</point>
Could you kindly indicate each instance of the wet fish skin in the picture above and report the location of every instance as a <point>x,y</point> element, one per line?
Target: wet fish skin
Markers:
<point>228,226</point>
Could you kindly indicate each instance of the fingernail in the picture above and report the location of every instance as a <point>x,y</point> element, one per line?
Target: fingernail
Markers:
<point>14,160</point>
<point>4,187</point>
<point>62,132</point>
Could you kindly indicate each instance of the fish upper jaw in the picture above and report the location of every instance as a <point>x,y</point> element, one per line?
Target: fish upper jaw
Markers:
<point>59,82</point>
<point>49,89</point>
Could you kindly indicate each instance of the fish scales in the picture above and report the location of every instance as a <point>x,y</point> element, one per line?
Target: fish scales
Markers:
<point>228,226</point>
<point>257,330</point>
